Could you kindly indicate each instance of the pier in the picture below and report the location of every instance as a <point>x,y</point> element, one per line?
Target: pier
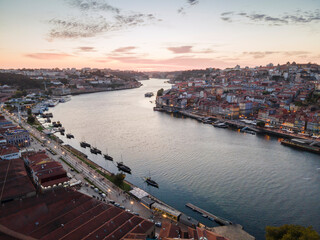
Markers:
<point>210,215</point>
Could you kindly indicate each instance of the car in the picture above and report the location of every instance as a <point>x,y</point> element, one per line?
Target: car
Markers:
<point>128,210</point>
<point>92,187</point>
<point>103,195</point>
<point>111,201</point>
<point>122,207</point>
<point>117,204</point>
<point>96,190</point>
<point>158,224</point>
<point>135,213</point>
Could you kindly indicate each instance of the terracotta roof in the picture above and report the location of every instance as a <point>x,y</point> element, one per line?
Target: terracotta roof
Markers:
<point>68,214</point>
<point>17,184</point>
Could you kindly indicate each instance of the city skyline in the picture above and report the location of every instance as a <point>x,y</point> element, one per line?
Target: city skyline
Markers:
<point>158,35</point>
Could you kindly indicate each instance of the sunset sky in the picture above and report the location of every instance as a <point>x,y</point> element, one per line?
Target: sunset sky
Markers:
<point>157,34</point>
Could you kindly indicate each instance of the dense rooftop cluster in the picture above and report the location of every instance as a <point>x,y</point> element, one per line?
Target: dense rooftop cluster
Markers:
<point>280,96</point>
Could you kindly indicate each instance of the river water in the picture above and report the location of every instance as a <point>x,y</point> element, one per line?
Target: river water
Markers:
<point>248,179</point>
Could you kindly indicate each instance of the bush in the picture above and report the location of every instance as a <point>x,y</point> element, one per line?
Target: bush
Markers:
<point>31,120</point>
<point>291,232</point>
<point>160,92</point>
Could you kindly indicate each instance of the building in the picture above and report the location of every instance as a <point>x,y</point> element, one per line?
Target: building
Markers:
<point>172,231</point>
<point>8,152</point>
<point>18,137</point>
<point>14,181</point>
<point>68,214</point>
<point>46,173</point>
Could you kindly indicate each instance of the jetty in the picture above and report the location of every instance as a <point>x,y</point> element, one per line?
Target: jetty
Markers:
<point>217,219</point>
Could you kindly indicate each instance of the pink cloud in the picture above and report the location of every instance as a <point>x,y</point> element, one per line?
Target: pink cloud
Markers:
<point>48,56</point>
<point>183,62</point>
<point>182,49</point>
<point>124,49</point>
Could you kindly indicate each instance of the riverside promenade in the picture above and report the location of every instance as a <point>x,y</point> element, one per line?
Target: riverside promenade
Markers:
<point>199,115</point>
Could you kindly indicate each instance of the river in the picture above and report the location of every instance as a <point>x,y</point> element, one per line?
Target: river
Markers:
<point>248,179</point>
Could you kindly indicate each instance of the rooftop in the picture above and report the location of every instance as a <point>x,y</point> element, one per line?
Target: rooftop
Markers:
<point>14,180</point>
<point>68,214</point>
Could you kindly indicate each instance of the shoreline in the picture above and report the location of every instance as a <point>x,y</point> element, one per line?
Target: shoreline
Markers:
<point>233,124</point>
<point>100,169</point>
<point>97,90</point>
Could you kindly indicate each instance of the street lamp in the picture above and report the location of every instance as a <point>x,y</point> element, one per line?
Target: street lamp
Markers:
<point>131,202</point>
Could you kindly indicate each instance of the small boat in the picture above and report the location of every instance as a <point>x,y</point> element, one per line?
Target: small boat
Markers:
<point>84,144</point>
<point>62,133</point>
<point>220,125</point>
<point>148,94</point>
<point>95,150</point>
<point>151,182</point>
<point>205,216</point>
<point>107,157</point>
<point>123,167</point>
<point>69,135</point>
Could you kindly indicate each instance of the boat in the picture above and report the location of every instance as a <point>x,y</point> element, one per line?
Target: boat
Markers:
<point>107,157</point>
<point>95,150</point>
<point>148,94</point>
<point>220,125</point>
<point>151,182</point>
<point>123,167</point>
<point>84,144</point>
<point>62,133</point>
<point>69,135</point>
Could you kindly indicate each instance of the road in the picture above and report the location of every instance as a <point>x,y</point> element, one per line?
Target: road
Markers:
<point>40,141</point>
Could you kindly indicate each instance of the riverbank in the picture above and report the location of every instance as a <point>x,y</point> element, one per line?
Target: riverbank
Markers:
<point>240,177</point>
<point>201,116</point>
<point>75,92</point>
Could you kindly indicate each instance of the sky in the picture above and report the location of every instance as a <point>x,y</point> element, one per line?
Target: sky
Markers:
<point>157,35</point>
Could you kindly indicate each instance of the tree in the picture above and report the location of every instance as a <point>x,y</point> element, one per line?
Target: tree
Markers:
<point>29,111</point>
<point>118,179</point>
<point>291,232</point>
<point>31,120</point>
<point>160,92</point>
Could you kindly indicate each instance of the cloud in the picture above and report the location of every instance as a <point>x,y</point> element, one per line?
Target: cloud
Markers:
<point>92,26</point>
<point>48,56</point>
<point>176,62</point>
<point>86,49</point>
<point>94,5</point>
<point>192,2</point>
<point>263,54</point>
<point>95,17</point>
<point>182,49</point>
<point>187,49</point>
<point>298,17</point>
<point>124,49</point>
<point>260,54</point>
<point>182,10</point>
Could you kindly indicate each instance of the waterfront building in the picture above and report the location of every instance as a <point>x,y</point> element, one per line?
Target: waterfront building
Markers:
<point>68,214</point>
<point>8,152</point>
<point>14,181</point>
<point>18,137</point>
<point>46,173</point>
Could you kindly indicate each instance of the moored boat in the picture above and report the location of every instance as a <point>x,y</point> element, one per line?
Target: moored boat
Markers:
<point>123,167</point>
<point>95,150</point>
<point>151,182</point>
<point>84,144</point>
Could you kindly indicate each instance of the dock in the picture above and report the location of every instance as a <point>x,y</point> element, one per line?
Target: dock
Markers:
<point>217,219</point>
